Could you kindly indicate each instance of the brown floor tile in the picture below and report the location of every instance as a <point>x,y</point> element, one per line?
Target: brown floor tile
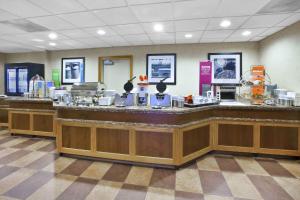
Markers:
<point>163,178</point>
<point>6,139</point>
<point>77,167</point>
<point>25,143</point>
<point>228,164</point>
<point>13,156</point>
<point>268,188</point>
<point>179,195</point>
<point>117,172</point>
<point>43,161</point>
<point>132,192</point>
<point>7,170</point>
<point>274,168</point>
<point>48,148</point>
<point>78,190</point>
<point>214,183</point>
<point>30,185</point>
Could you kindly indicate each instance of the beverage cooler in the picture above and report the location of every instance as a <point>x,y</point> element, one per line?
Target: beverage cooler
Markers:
<point>18,75</point>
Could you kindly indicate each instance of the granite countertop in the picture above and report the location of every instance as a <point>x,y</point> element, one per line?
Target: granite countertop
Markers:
<point>148,109</point>
<point>24,99</point>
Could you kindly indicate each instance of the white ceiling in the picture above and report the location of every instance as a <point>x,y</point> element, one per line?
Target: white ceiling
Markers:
<point>130,22</point>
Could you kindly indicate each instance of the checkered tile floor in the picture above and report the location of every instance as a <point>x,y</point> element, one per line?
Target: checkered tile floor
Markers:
<point>31,169</point>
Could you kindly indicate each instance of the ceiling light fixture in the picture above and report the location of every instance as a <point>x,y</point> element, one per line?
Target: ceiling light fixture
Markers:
<point>225,23</point>
<point>188,35</point>
<point>101,32</point>
<point>52,36</point>
<point>158,27</point>
<point>37,40</point>
<point>246,33</point>
<point>52,44</point>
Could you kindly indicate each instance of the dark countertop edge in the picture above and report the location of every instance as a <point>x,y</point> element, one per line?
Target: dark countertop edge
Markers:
<point>167,126</point>
<point>23,99</point>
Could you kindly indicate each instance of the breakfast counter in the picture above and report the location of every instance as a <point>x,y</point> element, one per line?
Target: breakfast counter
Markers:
<point>175,136</point>
<point>3,112</point>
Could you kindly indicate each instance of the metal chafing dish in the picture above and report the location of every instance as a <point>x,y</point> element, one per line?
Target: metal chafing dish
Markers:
<point>87,94</point>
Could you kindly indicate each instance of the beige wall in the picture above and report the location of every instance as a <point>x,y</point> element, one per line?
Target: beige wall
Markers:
<point>188,57</point>
<point>2,61</point>
<point>280,53</point>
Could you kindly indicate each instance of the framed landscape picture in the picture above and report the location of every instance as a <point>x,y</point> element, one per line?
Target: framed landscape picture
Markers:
<point>160,66</point>
<point>226,68</point>
<point>72,70</point>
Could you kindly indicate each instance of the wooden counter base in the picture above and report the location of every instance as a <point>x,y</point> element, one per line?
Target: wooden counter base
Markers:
<point>179,145</point>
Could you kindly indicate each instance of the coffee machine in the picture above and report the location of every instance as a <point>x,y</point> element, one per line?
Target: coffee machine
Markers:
<point>160,99</point>
<point>127,98</point>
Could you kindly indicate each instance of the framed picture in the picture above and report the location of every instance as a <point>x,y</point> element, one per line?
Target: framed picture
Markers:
<point>226,68</point>
<point>160,66</point>
<point>72,70</point>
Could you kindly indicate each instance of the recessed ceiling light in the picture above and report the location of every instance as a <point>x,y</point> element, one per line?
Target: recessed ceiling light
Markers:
<point>52,44</point>
<point>37,40</point>
<point>188,35</point>
<point>225,23</point>
<point>158,27</point>
<point>101,32</point>
<point>52,36</point>
<point>246,33</point>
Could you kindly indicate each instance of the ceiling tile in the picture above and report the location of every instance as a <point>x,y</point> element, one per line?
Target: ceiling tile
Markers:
<point>162,37</point>
<point>59,6</point>
<point>217,34</point>
<point>290,20</point>
<point>74,33</point>
<point>236,22</point>
<point>93,31</point>
<point>153,12</point>
<point>128,29</point>
<point>261,21</point>
<point>211,40</point>
<point>90,41</point>
<point>237,35</point>
<point>271,31</point>
<point>100,4</point>
<point>114,40</point>
<point>22,8</point>
<point>238,8</point>
<point>191,25</point>
<point>194,9</point>
<point>4,15</point>
<point>135,2</point>
<point>168,27</point>
<point>140,43</point>
<point>135,38</point>
<point>180,37</point>
<point>280,6</point>
<point>82,19</point>
<point>52,22</point>
<point>7,29</point>
<point>257,38</point>
<point>116,16</point>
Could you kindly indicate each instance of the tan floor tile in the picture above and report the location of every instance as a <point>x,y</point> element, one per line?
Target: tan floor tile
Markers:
<point>139,176</point>
<point>38,145</point>
<point>159,193</point>
<point>208,163</point>
<point>215,197</point>
<point>7,151</point>
<point>14,142</point>
<point>290,185</point>
<point>59,164</point>
<point>241,186</point>
<point>7,198</point>
<point>14,179</point>
<point>53,188</point>
<point>188,180</point>
<point>292,166</point>
<point>96,170</point>
<point>27,159</point>
<point>105,189</point>
<point>250,166</point>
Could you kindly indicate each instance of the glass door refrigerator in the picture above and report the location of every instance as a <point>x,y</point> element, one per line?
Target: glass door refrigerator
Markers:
<point>18,75</point>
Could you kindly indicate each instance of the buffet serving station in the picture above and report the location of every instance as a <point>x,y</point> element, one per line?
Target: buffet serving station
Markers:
<point>175,136</point>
